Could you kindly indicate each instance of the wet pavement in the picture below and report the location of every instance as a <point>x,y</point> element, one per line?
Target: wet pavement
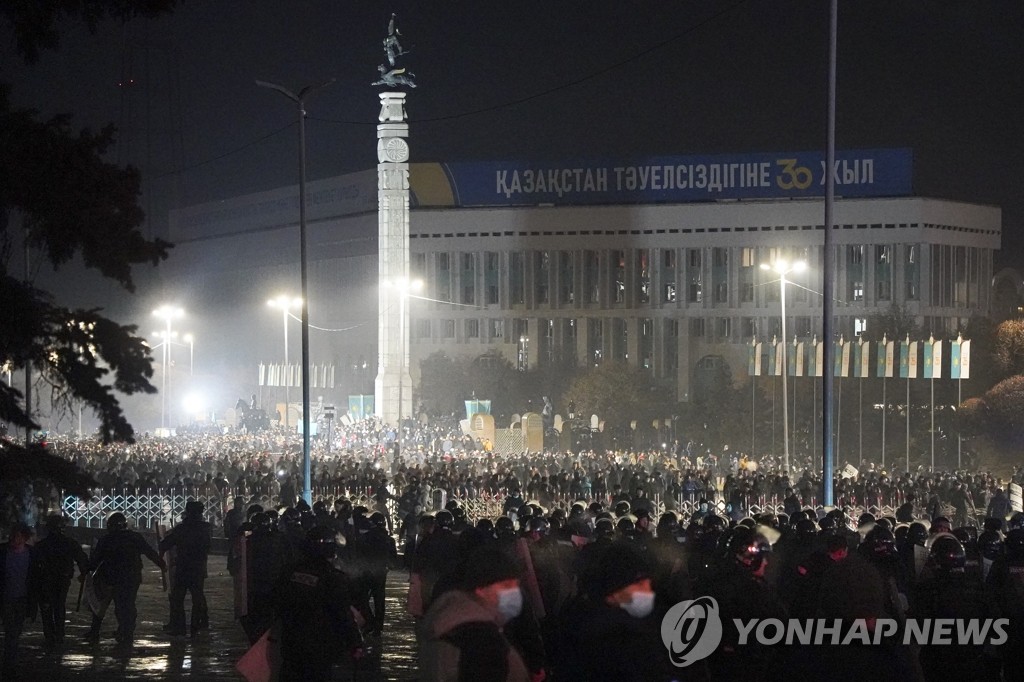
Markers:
<point>211,656</point>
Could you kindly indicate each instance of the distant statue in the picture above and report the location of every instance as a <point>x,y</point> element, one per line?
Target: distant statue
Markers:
<point>393,48</point>
<point>394,77</point>
<point>391,76</point>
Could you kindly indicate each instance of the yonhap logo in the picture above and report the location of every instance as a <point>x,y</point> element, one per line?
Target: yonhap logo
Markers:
<point>691,630</point>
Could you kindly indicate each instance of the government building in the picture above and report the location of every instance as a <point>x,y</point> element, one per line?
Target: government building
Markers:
<point>654,263</point>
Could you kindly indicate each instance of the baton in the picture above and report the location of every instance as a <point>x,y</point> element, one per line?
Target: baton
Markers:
<point>163,578</point>
<point>81,589</point>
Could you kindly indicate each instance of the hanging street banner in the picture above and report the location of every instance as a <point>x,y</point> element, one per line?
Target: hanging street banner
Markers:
<point>885,359</point>
<point>908,359</point>
<point>960,359</point>
<point>862,359</point>
<point>665,179</point>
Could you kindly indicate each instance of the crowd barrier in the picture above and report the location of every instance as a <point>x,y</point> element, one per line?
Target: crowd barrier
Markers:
<point>150,508</point>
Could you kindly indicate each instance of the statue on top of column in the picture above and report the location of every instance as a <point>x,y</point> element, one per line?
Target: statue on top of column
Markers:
<point>390,75</point>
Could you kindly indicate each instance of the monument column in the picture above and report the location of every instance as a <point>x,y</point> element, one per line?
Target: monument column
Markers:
<point>393,386</point>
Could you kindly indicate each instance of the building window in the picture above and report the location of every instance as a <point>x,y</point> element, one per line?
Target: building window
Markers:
<point>883,254</point>
<point>860,325</point>
<point>857,290</point>
<point>747,255</point>
<point>696,293</point>
<point>670,292</point>
<point>720,257</point>
<point>542,275</point>
<point>694,258</point>
<point>497,329</point>
<point>517,278</point>
<point>749,327</point>
<point>591,277</point>
<point>670,258</point>
<point>520,327</point>
<point>472,329</point>
<point>697,327</point>
<point>722,292</point>
<point>448,327</point>
<point>855,255</point>
<point>912,291</point>
<point>911,253</point>
<point>724,327</point>
<point>618,276</point>
<point>423,329</point>
<point>884,292</point>
<point>418,265</point>
<point>747,292</point>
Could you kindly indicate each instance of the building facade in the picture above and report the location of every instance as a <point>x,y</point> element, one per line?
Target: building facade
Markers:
<point>656,280</point>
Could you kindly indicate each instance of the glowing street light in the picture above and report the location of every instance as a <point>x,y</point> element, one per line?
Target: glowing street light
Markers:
<point>285,304</point>
<point>168,313</point>
<point>783,267</point>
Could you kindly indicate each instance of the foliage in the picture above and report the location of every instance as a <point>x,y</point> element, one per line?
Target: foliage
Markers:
<point>1001,415</point>
<point>895,323</point>
<point>615,392</point>
<point>1008,353</point>
<point>65,202</point>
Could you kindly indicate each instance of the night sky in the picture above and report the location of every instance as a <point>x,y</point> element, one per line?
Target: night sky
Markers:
<point>546,81</point>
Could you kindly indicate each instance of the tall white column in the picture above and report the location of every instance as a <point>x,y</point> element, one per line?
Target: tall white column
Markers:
<point>393,384</point>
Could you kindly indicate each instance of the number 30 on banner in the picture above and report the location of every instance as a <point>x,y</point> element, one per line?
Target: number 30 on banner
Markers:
<point>793,176</point>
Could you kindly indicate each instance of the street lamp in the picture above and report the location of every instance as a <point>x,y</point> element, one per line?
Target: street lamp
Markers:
<point>285,304</point>
<point>404,287</point>
<point>524,353</point>
<point>300,100</point>
<point>166,313</point>
<point>783,267</point>
<point>191,341</point>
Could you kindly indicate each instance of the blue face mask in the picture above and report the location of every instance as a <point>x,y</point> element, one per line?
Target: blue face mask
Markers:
<point>510,603</point>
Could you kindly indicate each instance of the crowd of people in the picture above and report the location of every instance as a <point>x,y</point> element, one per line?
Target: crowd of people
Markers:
<point>568,577</point>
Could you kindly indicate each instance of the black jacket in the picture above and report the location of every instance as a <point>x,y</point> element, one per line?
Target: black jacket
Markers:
<point>191,541</point>
<point>58,555</point>
<point>118,557</point>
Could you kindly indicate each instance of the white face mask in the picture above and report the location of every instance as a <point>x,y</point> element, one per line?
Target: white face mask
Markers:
<point>640,605</point>
<point>510,603</point>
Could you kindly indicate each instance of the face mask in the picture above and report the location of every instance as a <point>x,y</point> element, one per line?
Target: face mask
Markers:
<point>641,604</point>
<point>510,603</point>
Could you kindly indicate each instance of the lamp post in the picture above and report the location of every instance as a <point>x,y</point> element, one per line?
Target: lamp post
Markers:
<point>300,100</point>
<point>191,341</point>
<point>404,286</point>
<point>166,313</point>
<point>524,353</point>
<point>285,304</point>
<point>783,268</point>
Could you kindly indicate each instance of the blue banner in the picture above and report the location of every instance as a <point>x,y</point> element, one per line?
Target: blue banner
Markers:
<point>671,179</point>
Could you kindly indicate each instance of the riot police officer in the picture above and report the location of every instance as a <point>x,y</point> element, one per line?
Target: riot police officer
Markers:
<point>377,552</point>
<point>117,562</point>
<point>190,542</point>
<point>313,601</point>
<point>57,554</point>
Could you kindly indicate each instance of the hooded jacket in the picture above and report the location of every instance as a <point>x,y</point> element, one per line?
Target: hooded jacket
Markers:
<point>460,640</point>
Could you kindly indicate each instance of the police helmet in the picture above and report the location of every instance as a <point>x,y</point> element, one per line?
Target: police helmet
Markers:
<point>253,509</point>
<point>626,526</point>
<point>668,524</point>
<point>577,509</point>
<point>806,532</point>
<point>539,525</point>
<point>504,526</point>
<point>1016,521</point>
<point>55,522</point>
<point>865,518</point>
<point>194,509</point>
<point>604,529</point>
<point>485,525</point>
<point>748,548</point>
<point>319,507</point>
<point>828,522</point>
<point>947,554</point>
<point>117,521</point>
<point>917,534</point>
<point>621,508</point>
<point>880,543</point>
<point>260,522</point>
<point>322,542</point>
<point>990,544</point>
<point>459,514</point>
<point>993,523</point>
<point>451,505</point>
<point>713,523</point>
<point>444,519</point>
<point>901,531</point>
<point>1014,544</point>
<point>378,519</point>
<point>940,524</point>
<point>558,513</point>
<point>595,508</point>
<point>884,522</point>
<point>748,521</point>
